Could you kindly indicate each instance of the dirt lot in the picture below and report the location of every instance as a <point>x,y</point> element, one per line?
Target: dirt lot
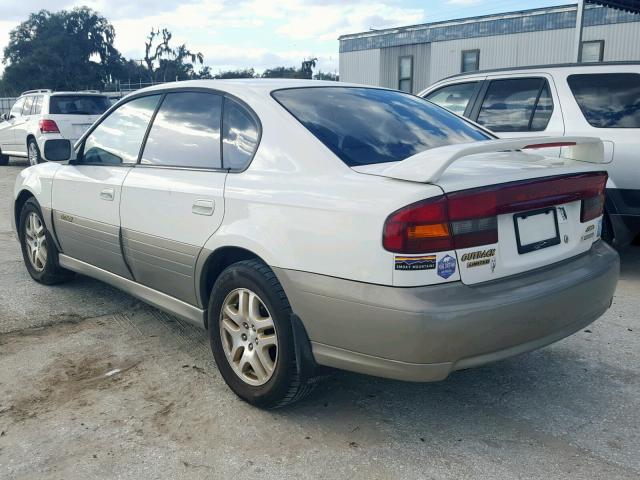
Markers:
<point>94,384</point>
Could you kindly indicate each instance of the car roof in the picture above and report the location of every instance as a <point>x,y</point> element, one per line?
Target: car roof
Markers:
<point>554,66</point>
<point>256,85</point>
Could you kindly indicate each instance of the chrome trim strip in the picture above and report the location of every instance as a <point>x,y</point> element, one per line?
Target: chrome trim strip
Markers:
<point>153,297</point>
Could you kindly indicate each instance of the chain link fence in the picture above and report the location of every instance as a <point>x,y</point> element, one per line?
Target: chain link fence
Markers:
<point>6,103</point>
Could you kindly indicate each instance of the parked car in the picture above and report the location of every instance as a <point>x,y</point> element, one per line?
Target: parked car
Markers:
<point>39,115</point>
<point>601,100</point>
<point>307,223</point>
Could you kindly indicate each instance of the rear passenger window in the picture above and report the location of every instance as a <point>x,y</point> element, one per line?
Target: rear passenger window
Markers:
<point>454,97</point>
<point>516,105</point>
<point>36,109</point>
<point>186,132</point>
<point>26,109</point>
<point>608,100</point>
<point>239,137</point>
<point>118,138</point>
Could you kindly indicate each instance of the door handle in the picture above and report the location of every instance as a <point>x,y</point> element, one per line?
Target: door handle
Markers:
<point>107,194</point>
<point>203,207</point>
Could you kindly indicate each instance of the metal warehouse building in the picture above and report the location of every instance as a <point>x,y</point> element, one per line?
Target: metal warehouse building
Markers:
<point>411,58</point>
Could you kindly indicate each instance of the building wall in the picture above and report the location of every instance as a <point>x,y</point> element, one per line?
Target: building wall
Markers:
<point>389,59</point>
<point>438,59</point>
<point>621,42</point>
<point>362,66</point>
<point>517,50</point>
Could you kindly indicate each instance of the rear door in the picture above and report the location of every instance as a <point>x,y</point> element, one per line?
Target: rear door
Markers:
<point>7,128</point>
<point>86,194</point>
<point>75,113</point>
<point>519,106</point>
<point>173,201</point>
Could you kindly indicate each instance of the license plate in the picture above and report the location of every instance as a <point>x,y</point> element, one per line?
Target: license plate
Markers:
<point>536,230</point>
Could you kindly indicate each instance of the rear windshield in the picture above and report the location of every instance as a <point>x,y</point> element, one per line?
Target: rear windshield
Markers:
<point>366,125</point>
<point>78,104</point>
<point>608,100</point>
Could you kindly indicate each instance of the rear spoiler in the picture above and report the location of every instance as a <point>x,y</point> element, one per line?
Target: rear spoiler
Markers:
<point>429,165</point>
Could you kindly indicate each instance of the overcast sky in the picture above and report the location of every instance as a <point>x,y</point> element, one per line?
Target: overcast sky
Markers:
<point>259,33</point>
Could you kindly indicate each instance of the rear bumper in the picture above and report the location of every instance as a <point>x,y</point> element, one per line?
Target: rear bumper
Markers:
<point>424,333</point>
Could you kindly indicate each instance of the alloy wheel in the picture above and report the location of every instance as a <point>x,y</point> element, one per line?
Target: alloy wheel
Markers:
<point>249,337</point>
<point>36,242</point>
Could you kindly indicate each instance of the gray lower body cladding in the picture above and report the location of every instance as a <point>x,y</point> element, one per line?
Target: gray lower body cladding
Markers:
<point>424,333</point>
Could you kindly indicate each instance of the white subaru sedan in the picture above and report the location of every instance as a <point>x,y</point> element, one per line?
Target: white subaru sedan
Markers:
<point>308,224</point>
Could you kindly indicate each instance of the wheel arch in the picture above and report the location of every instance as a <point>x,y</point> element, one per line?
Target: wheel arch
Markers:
<point>21,199</point>
<point>213,264</point>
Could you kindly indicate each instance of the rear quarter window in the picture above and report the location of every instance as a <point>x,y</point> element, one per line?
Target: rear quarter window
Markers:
<point>364,126</point>
<point>608,100</point>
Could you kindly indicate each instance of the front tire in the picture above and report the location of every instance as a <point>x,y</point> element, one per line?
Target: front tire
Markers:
<point>38,249</point>
<point>252,337</point>
<point>33,152</point>
<point>4,160</point>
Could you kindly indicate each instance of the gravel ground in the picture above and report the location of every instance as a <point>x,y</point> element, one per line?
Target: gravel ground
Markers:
<point>96,385</point>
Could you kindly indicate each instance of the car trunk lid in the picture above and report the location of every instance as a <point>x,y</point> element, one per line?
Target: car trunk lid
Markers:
<point>506,212</point>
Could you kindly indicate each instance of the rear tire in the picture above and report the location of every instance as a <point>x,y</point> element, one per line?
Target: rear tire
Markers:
<point>607,229</point>
<point>38,249</point>
<point>247,294</point>
<point>33,152</point>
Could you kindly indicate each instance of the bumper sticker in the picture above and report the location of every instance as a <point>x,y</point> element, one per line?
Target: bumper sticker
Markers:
<point>422,262</point>
<point>446,266</point>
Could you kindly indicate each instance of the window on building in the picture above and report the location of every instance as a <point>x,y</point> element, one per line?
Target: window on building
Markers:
<point>454,97</point>
<point>240,133</point>
<point>516,105</point>
<point>592,51</point>
<point>405,74</point>
<point>470,60</point>
<point>608,100</point>
<point>186,132</point>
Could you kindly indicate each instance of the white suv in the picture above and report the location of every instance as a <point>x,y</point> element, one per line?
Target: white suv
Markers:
<point>40,115</point>
<point>597,100</point>
<point>305,222</point>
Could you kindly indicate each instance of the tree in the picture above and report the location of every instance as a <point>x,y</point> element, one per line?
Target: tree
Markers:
<point>281,72</point>
<point>306,69</point>
<point>166,63</point>
<point>241,73</point>
<point>326,76</point>
<point>66,50</point>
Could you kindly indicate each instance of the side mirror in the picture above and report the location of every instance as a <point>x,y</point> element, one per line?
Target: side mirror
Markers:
<point>57,150</point>
<point>5,116</point>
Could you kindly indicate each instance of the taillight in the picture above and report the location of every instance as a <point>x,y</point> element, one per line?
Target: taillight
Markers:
<point>468,218</point>
<point>418,228</point>
<point>48,126</point>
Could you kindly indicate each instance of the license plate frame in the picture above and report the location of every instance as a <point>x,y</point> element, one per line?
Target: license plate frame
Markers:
<point>539,244</point>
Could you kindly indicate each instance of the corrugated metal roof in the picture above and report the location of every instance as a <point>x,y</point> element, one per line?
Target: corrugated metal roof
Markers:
<point>488,25</point>
<point>632,6</point>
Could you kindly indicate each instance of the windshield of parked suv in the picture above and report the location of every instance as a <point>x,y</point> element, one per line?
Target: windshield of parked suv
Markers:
<point>608,100</point>
<point>367,125</point>
<point>78,104</point>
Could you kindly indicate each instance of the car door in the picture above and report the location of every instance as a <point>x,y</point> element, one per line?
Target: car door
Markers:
<point>7,133</point>
<point>173,201</point>
<point>86,194</point>
<point>21,126</point>
<point>519,106</point>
